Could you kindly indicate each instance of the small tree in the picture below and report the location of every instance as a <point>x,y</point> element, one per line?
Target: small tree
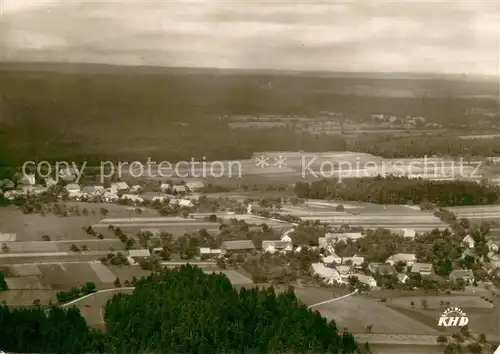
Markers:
<point>424,303</point>
<point>339,207</point>
<point>36,302</point>
<point>104,212</point>
<point>474,348</point>
<point>5,248</point>
<point>442,339</point>
<point>118,284</point>
<point>3,283</point>
<point>482,338</point>
<point>74,248</point>
<point>100,236</point>
<point>369,328</point>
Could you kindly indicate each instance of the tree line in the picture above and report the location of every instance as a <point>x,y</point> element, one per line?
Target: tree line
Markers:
<point>181,310</point>
<point>400,190</point>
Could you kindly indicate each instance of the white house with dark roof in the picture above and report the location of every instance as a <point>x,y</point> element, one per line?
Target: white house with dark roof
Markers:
<point>271,246</point>
<point>406,258</point>
<point>365,279</point>
<point>328,275</point>
<point>469,242</point>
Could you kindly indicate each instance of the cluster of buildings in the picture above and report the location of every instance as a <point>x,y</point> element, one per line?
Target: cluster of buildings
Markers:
<point>98,193</point>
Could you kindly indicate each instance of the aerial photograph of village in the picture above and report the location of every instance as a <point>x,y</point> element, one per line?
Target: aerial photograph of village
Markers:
<point>246,178</point>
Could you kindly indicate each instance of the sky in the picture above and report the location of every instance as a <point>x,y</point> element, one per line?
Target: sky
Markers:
<point>447,36</point>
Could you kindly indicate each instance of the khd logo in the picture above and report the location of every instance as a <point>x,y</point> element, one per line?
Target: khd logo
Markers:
<point>453,317</point>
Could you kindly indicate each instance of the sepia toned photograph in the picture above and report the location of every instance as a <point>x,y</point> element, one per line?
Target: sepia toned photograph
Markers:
<point>250,177</point>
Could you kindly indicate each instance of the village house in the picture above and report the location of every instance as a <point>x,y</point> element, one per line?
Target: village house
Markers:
<point>110,196</point>
<point>332,260</point>
<point>27,180</point>
<point>365,279</point>
<point>179,189</point>
<point>424,269</point>
<point>37,190</point>
<point>238,247</point>
<point>326,244</point>
<point>50,182</point>
<point>72,188</point>
<point>186,203</point>
<point>408,233</point>
<point>468,241</point>
<point>273,246</point>
<point>141,253</point>
<point>136,189</point>
<point>11,195</point>
<point>382,268</point>
<point>464,274</point>
<point>159,198</point>
<point>26,188</point>
<point>195,186</point>
<point>328,275</point>
<point>133,198</point>
<point>119,187</point>
<point>345,271</point>
<point>286,238</point>
<point>492,246</point>
<point>68,174</point>
<point>90,191</point>
<point>406,258</point>
<point>152,232</point>
<point>209,253</point>
<point>344,236</point>
<point>355,261</point>
<point>7,184</point>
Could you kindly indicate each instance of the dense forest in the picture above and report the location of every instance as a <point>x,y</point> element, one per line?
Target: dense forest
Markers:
<point>181,310</point>
<point>98,114</point>
<point>400,190</point>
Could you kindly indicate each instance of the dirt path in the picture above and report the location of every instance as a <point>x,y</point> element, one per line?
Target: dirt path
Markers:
<point>332,300</point>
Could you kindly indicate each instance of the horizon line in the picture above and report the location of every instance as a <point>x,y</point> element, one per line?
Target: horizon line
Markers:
<point>418,75</point>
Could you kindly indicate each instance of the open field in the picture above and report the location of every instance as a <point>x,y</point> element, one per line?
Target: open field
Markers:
<point>478,212</point>
<point>434,302</point>
<point>32,227</point>
<point>367,215</point>
<point>356,312</point>
<point>20,298</point>
<point>234,276</point>
<point>481,320</point>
